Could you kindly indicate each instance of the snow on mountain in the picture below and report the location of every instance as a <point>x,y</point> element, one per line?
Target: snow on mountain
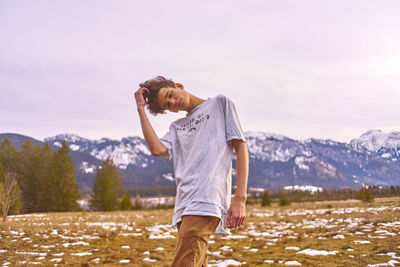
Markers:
<point>129,150</point>
<point>301,162</point>
<point>374,140</point>
<point>264,136</point>
<point>169,176</point>
<point>74,147</point>
<point>68,137</point>
<point>273,147</point>
<point>84,166</point>
<point>275,160</point>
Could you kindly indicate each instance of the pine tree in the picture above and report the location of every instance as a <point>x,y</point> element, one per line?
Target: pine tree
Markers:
<point>284,201</point>
<point>63,191</point>
<point>44,177</point>
<point>9,156</point>
<point>138,202</point>
<point>27,181</point>
<point>266,199</point>
<point>34,176</point>
<point>365,194</point>
<point>105,188</point>
<point>126,203</point>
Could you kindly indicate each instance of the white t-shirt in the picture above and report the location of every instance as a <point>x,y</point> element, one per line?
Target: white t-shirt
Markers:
<point>199,145</point>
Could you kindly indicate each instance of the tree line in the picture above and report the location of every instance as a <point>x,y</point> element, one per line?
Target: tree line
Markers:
<point>44,178</point>
<point>38,179</point>
<point>367,194</point>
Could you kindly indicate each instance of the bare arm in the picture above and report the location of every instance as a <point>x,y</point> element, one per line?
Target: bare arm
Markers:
<point>237,210</point>
<point>156,147</point>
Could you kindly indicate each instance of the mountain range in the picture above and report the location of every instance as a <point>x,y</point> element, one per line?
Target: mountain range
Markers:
<point>275,160</point>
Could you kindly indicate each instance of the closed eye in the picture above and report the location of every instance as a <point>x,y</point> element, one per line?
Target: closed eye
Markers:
<point>166,105</point>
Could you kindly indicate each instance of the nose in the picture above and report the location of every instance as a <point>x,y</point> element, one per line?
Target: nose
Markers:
<point>172,101</point>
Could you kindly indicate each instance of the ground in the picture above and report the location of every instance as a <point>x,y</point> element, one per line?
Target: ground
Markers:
<point>341,233</point>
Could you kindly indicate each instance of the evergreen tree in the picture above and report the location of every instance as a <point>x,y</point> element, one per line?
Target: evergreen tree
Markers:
<point>34,176</point>
<point>284,200</point>
<point>266,199</point>
<point>44,177</point>
<point>365,194</point>
<point>63,191</point>
<point>138,202</point>
<point>126,203</point>
<point>105,188</point>
<point>9,156</point>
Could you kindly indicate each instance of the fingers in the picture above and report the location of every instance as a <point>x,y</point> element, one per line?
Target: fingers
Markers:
<point>139,92</point>
<point>234,221</point>
<point>139,96</point>
<point>141,89</point>
<point>238,221</point>
<point>241,221</point>
<point>229,219</point>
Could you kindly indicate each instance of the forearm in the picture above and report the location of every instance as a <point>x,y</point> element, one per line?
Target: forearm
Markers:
<point>237,210</point>
<point>242,169</point>
<point>156,147</point>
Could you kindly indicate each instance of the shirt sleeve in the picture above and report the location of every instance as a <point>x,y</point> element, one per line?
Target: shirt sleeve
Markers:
<point>233,129</point>
<point>167,141</point>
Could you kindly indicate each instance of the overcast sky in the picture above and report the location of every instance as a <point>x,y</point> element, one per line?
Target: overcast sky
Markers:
<point>322,69</point>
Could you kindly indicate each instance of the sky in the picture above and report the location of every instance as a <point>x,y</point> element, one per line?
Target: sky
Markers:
<point>321,69</point>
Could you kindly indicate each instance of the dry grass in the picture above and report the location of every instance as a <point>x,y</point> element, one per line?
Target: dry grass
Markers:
<point>354,233</point>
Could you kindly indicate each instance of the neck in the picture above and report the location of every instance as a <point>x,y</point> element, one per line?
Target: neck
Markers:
<point>194,101</point>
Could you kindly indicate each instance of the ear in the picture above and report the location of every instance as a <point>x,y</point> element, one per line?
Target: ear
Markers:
<point>179,85</point>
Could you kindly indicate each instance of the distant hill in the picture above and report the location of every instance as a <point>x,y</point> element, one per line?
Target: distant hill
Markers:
<point>18,139</point>
<point>275,160</point>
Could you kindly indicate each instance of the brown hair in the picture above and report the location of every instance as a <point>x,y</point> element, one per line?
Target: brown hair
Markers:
<point>154,86</point>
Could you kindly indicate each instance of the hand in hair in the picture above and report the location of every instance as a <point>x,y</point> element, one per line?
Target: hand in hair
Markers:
<point>140,96</point>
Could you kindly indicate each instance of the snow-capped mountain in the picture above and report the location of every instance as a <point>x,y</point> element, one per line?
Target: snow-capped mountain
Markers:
<point>273,147</point>
<point>323,163</point>
<point>68,137</point>
<point>275,160</point>
<point>387,145</point>
<point>129,150</point>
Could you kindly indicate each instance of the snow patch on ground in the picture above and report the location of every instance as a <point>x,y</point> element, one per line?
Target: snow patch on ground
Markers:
<point>292,248</point>
<point>309,188</point>
<point>292,263</point>
<point>314,252</point>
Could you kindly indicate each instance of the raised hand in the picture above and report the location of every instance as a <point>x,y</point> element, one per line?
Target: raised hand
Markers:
<point>140,101</point>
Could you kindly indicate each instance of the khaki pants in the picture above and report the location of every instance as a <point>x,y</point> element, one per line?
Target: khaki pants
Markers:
<point>193,235</point>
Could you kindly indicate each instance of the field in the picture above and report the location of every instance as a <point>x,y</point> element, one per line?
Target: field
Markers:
<point>340,233</point>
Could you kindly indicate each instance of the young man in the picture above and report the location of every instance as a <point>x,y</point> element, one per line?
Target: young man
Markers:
<point>201,146</point>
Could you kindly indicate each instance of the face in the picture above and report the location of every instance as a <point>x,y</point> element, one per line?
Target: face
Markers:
<point>173,99</point>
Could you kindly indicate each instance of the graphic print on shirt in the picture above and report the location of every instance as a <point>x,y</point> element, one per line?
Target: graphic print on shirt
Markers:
<point>194,123</point>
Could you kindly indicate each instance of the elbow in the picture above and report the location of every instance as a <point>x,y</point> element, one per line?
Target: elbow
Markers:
<point>240,146</point>
<point>158,152</point>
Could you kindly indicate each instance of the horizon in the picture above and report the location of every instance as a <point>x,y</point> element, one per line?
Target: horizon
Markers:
<point>141,136</point>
